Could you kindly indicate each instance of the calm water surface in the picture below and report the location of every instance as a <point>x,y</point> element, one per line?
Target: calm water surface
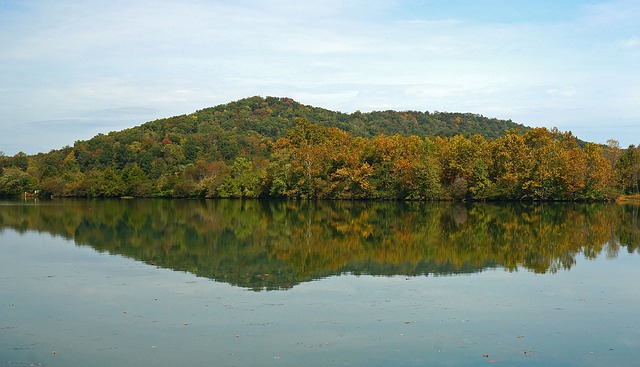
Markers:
<point>250,283</point>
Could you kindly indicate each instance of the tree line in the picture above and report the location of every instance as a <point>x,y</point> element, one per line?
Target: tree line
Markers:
<point>315,162</point>
<point>277,148</point>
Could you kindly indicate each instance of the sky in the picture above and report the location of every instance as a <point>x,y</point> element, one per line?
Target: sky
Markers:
<point>72,69</point>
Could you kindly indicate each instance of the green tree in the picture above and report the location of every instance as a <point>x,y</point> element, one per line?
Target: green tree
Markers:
<point>243,182</point>
<point>112,184</point>
<point>137,183</point>
<point>20,160</point>
<point>14,181</point>
<point>53,186</point>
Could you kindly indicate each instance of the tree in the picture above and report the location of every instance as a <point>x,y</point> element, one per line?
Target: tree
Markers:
<point>20,160</point>
<point>3,161</point>
<point>215,176</point>
<point>53,186</point>
<point>136,181</point>
<point>112,184</point>
<point>305,154</point>
<point>14,181</point>
<point>628,170</point>
<point>598,172</point>
<point>510,166</point>
<point>465,161</point>
<point>243,182</point>
<point>391,162</point>
<point>612,152</point>
<point>348,175</point>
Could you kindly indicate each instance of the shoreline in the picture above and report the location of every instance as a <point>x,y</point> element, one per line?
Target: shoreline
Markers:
<point>628,199</point>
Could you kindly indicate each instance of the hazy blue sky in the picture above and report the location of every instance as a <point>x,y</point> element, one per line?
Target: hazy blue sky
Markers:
<point>72,69</point>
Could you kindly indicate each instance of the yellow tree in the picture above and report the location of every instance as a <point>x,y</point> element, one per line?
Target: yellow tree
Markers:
<point>511,165</point>
<point>539,181</point>
<point>300,161</point>
<point>348,176</point>
<point>402,167</point>
<point>465,166</point>
<point>598,174</point>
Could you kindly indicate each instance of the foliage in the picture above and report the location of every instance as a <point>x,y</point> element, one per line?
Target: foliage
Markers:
<point>276,147</point>
<point>14,182</point>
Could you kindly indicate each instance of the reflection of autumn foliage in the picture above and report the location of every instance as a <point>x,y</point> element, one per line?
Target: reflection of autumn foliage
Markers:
<point>277,244</point>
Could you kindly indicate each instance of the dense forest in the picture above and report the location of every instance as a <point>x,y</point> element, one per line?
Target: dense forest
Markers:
<point>278,148</point>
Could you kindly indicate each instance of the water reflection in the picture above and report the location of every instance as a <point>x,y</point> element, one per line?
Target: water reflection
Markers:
<point>278,244</point>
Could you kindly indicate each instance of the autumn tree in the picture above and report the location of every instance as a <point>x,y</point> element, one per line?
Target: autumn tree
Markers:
<point>597,175</point>
<point>405,167</point>
<point>628,170</point>
<point>348,174</point>
<point>510,166</point>
<point>304,154</point>
<point>465,166</point>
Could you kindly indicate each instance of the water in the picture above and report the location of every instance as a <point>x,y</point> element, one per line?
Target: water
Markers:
<point>233,283</point>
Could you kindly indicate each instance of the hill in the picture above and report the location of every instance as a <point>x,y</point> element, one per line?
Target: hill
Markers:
<point>241,128</point>
<point>276,147</point>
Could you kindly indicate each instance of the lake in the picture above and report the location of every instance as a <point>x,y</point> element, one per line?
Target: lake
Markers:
<point>287,283</point>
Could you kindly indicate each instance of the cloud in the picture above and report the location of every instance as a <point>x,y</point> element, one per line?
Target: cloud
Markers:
<point>106,64</point>
<point>630,42</point>
<point>562,92</point>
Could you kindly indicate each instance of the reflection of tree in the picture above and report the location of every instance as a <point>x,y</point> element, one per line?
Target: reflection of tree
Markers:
<point>627,229</point>
<point>277,244</point>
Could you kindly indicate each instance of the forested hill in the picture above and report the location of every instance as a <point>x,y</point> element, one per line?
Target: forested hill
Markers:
<point>241,128</point>
<point>276,147</point>
<point>274,117</point>
<point>229,130</point>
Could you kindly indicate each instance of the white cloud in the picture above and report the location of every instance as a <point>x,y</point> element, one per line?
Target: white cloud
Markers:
<point>562,92</point>
<point>630,42</point>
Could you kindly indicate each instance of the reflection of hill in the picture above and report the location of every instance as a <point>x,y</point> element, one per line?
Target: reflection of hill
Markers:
<point>278,244</point>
